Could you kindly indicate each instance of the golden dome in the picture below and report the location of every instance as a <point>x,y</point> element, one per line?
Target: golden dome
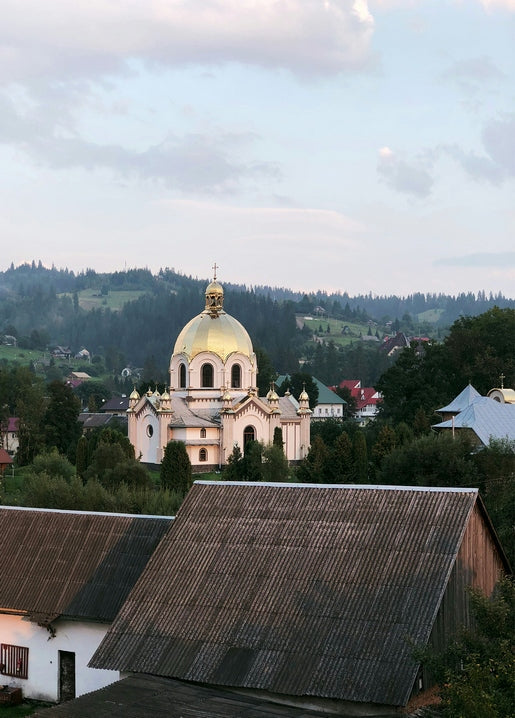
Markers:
<point>213,330</point>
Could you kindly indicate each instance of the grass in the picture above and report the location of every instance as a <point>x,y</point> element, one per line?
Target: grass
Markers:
<point>27,708</point>
<point>114,300</point>
<point>335,330</point>
<point>21,356</point>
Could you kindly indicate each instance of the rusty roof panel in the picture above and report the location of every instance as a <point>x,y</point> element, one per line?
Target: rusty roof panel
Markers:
<point>299,590</point>
<point>73,564</point>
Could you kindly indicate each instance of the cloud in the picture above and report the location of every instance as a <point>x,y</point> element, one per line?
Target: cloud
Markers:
<point>498,163</point>
<point>474,73</point>
<point>480,259</point>
<point>505,4</point>
<point>411,178</point>
<point>92,38</point>
<point>203,163</point>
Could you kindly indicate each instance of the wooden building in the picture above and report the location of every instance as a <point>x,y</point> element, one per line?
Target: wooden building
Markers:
<point>310,596</point>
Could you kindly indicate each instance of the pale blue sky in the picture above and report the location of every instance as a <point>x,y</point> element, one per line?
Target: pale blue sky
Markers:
<point>354,146</point>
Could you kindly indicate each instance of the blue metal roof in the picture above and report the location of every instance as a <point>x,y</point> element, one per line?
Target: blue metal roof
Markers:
<point>488,418</point>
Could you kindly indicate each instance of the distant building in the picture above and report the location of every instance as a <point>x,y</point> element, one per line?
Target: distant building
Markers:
<point>65,575</point>
<point>10,435</point>
<point>212,403</point>
<point>366,397</point>
<point>483,418</point>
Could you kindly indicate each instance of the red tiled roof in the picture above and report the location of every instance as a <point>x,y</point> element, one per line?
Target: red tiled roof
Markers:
<point>5,458</point>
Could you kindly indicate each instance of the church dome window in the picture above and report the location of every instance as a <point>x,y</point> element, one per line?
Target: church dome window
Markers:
<point>182,376</point>
<point>207,376</point>
<point>236,376</point>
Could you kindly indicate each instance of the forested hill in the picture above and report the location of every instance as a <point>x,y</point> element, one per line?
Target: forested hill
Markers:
<point>139,314</point>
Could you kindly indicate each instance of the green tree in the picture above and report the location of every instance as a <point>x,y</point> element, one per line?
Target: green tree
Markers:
<point>81,458</point>
<point>341,462</point>
<point>234,468</point>
<point>54,464</point>
<point>476,673</point>
<point>266,371</point>
<point>61,426</point>
<point>360,457</point>
<point>384,444</point>
<point>253,461</point>
<point>278,437</point>
<point>30,409</point>
<point>314,468</point>
<point>175,472</point>
<point>275,464</point>
<point>432,460</point>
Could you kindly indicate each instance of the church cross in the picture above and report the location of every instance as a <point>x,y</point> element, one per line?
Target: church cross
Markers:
<point>502,378</point>
<point>215,267</point>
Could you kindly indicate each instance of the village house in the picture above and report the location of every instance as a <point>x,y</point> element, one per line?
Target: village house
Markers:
<point>10,435</point>
<point>482,418</point>
<point>302,595</point>
<point>366,397</point>
<point>65,575</point>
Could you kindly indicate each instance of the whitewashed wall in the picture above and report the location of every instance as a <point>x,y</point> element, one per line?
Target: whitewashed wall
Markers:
<point>43,672</point>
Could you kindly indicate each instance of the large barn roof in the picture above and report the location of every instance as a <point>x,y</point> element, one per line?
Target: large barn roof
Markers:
<point>73,564</point>
<point>294,589</point>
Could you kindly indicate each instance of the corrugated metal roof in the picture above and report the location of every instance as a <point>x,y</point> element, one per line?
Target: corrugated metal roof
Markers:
<point>487,418</point>
<point>153,697</point>
<point>464,399</point>
<point>299,590</point>
<point>73,564</point>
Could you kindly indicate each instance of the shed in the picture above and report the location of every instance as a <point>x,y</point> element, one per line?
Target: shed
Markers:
<point>310,595</point>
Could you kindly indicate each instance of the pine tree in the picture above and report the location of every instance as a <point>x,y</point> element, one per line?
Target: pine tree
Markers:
<point>176,468</point>
<point>359,450</point>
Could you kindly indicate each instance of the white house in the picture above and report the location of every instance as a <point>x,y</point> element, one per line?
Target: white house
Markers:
<point>64,577</point>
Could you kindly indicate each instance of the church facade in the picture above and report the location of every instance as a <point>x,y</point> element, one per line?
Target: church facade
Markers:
<point>212,403</point>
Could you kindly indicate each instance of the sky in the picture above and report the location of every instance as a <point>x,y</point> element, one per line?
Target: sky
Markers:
<point>335,145</point>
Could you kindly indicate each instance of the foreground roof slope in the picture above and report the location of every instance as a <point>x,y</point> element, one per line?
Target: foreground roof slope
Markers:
<point>78,565</point>
<point>140,696</point>
<point>296,589</point>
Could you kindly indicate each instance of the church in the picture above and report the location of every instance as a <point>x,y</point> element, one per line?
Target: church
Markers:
<point>212,403</point>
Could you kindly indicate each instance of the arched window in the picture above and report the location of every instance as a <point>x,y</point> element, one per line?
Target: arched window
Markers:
<point>249,434</point>
<point>202,455</point>
<point>236,376</point>
<point>202,433</point>
<point>207,376</point>
<point>182,376</point>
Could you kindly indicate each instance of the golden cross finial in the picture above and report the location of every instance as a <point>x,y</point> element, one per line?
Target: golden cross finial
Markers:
<point>502,378</point>
<point>215,267</point>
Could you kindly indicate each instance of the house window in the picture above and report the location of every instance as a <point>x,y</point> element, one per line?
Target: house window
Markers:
<point>182,376</point>
<point>14,661</point>
<point>236,376</point>
<point>202,433</point>
<point>202,455</point>
<point>249,434</point>
<point>207,376</point>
